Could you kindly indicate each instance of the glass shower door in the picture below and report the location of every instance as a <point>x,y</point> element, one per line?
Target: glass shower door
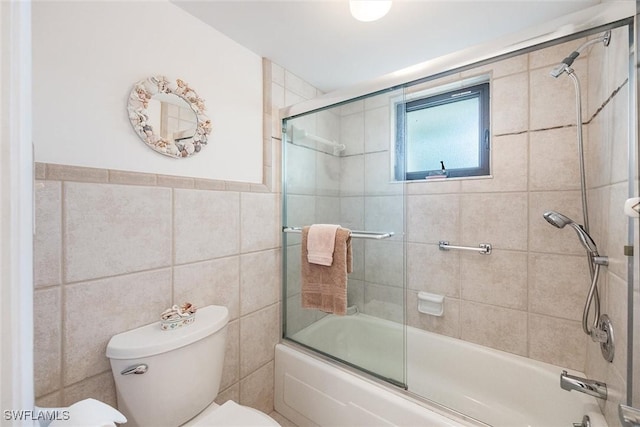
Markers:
<point>338,170</point>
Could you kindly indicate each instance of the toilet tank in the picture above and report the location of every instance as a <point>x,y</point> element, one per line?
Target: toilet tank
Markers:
<point>184,368</point>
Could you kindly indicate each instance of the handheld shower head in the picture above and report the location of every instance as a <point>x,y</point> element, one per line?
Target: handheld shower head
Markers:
<point>558,220</point>
<point>566,62</point>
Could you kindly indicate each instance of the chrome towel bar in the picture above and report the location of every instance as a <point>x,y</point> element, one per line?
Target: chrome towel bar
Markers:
<point>355,234</point>
<point>482,249</point>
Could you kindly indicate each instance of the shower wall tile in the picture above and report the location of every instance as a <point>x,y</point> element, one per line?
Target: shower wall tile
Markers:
<point>355,294</point>
<point>509,104</point>
<point>558,285</point>
<point>432,270</point>
<point>301,211</point>
<point>431,218</point>
<point>47,242</point>
<point>294,281</point>
<point>514,65</point>
<point>557,341</point>
<point>206,224</point>
<point>598,146</point>
<point>97,310</point>
<point>447,324</point>
<point>616,394</point>
<point>434,187</point>
<point>378,175</point>
<point>553,101</point>
<point>358,254</point>
<point>352,212</point>
<point>554,163</point>
<point>384,214</point>
<point>599,216</point>
<point>384,261</point>
<point>617,58</point>
<point>352,176</point>
<point>328,124</point>
<point>553,55</point>
<point>352,134</point>
<point>498,218</point>
<point>509,166</point>
<point>301,170</point>
<point>499,279</point>
<point>328,210</point>
<point>328,175</point>
<point>260,282</point>
<point>385,302</point>
<point>115,229</point>
<point>382,100</point>
<point>619,137</point>
<point>259,221</point>
<point>213,282</point>
<point>377,128</point>
<point>543,237</point>
<point>496,327</point>
<point>298,318</point>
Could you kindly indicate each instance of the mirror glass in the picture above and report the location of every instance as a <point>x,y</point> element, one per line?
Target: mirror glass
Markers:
<point>169,116</point>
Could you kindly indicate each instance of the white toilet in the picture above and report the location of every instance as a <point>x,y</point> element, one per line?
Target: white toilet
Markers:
<point>170,378</point>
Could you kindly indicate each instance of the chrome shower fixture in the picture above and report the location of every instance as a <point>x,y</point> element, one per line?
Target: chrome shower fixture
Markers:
<point>565,65</point>
<point>558,220</point>
<point>601,330</point>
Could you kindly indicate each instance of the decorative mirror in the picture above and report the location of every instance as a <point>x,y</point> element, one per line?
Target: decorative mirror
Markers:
<point>169,117</point>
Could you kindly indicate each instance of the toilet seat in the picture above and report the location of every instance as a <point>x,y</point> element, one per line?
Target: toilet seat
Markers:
<point>230,414</point>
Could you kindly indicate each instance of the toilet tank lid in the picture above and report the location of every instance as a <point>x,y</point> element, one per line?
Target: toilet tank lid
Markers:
<point>150,340</point>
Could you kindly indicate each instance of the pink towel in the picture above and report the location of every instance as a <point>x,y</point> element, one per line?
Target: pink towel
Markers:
<point>321,243</point>
<point>325,287</point>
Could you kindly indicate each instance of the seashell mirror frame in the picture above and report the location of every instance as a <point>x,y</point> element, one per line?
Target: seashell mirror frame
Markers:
<point>189,142</point>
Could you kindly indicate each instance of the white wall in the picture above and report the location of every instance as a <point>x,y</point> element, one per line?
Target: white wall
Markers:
<point>87,56</point>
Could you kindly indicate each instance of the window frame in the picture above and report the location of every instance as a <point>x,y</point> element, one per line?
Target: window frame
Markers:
<point>478,90</point>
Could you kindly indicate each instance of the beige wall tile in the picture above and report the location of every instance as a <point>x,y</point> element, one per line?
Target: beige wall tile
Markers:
<point>214,282</point>
<point>259,333</point>
<point>277,74</point>
<point>384,302</point>
<point>299,86</point>
<point>544,237</point>
<point>76,173</point>
<point>294,280</point>
<point>259,221</point>
<point>256,390</point>
<point>434,187</point>
<point>384,214</point>
<point>553,101</point>
<point>553,55</point>
<point>619,138</point>
<point>500,328</point>
<point>53,400</point>
<point>554,160</point>
<point>206,224</point>
<point>301,169</point>
<point>95,311</point>
<point>433,270</point>
<point>616,394</point>
<point>617,231</point>
<point>557,341</point>
<point>40,170</point>
<point>260,280</point>
<point>298,318</point>
<point>617,54</point>
<point>115,229</point>
<point>100,387</point>
<point>328,175</point>
<point>47,241</point>
<point>328,210</point>
<point>377,134</point>
<point>498,279</point>
<point>378,176</point>
<point>231,368</point>
<point>431,218</point>
<point>352,134</point>
<point>598,150</point>
<point>47,325</point>
<point>510,104</point>
<point>231,393</point>
<point>352,107</point>
<point>616,308</point>
<point>352,212</point>
<point>132,178</point>
<point>355,294</point>
<point>509,166</point>
<point>384,262</point>
<point>448,324</point>
<point>514,65</point>
<point>558,285</point>
<point>352,176</point>
<point>499,219</point>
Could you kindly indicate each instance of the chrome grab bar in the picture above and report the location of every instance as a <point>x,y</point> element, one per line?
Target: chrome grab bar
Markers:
<point>483,249</point>
<point>355,234</point>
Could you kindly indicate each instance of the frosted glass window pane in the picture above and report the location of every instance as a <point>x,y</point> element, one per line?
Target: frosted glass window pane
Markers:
<point>447,133</point>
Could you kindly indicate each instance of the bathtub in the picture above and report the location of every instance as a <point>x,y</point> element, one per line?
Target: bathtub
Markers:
<point>450,382</point>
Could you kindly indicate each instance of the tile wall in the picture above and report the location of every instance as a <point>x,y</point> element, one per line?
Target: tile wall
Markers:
<point>113,249</point>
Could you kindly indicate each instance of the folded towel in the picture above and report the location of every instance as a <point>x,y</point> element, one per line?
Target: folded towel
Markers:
<point>320,243</point>
<point>325,287</point>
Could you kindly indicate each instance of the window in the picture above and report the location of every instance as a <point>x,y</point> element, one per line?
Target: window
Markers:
<point>449,129</point>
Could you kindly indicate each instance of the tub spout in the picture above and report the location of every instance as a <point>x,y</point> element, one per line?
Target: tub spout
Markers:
<point>583,385</point>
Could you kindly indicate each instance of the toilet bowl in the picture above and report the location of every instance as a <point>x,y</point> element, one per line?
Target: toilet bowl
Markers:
<point>170,378</point>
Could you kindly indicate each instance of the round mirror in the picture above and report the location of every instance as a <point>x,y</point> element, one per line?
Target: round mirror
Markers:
<point>169,117</point>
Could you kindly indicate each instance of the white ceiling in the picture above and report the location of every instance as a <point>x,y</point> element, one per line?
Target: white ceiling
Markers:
<point>320,42</point>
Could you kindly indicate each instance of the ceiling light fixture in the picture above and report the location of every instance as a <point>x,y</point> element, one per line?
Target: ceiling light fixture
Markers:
<point>369,10</point>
